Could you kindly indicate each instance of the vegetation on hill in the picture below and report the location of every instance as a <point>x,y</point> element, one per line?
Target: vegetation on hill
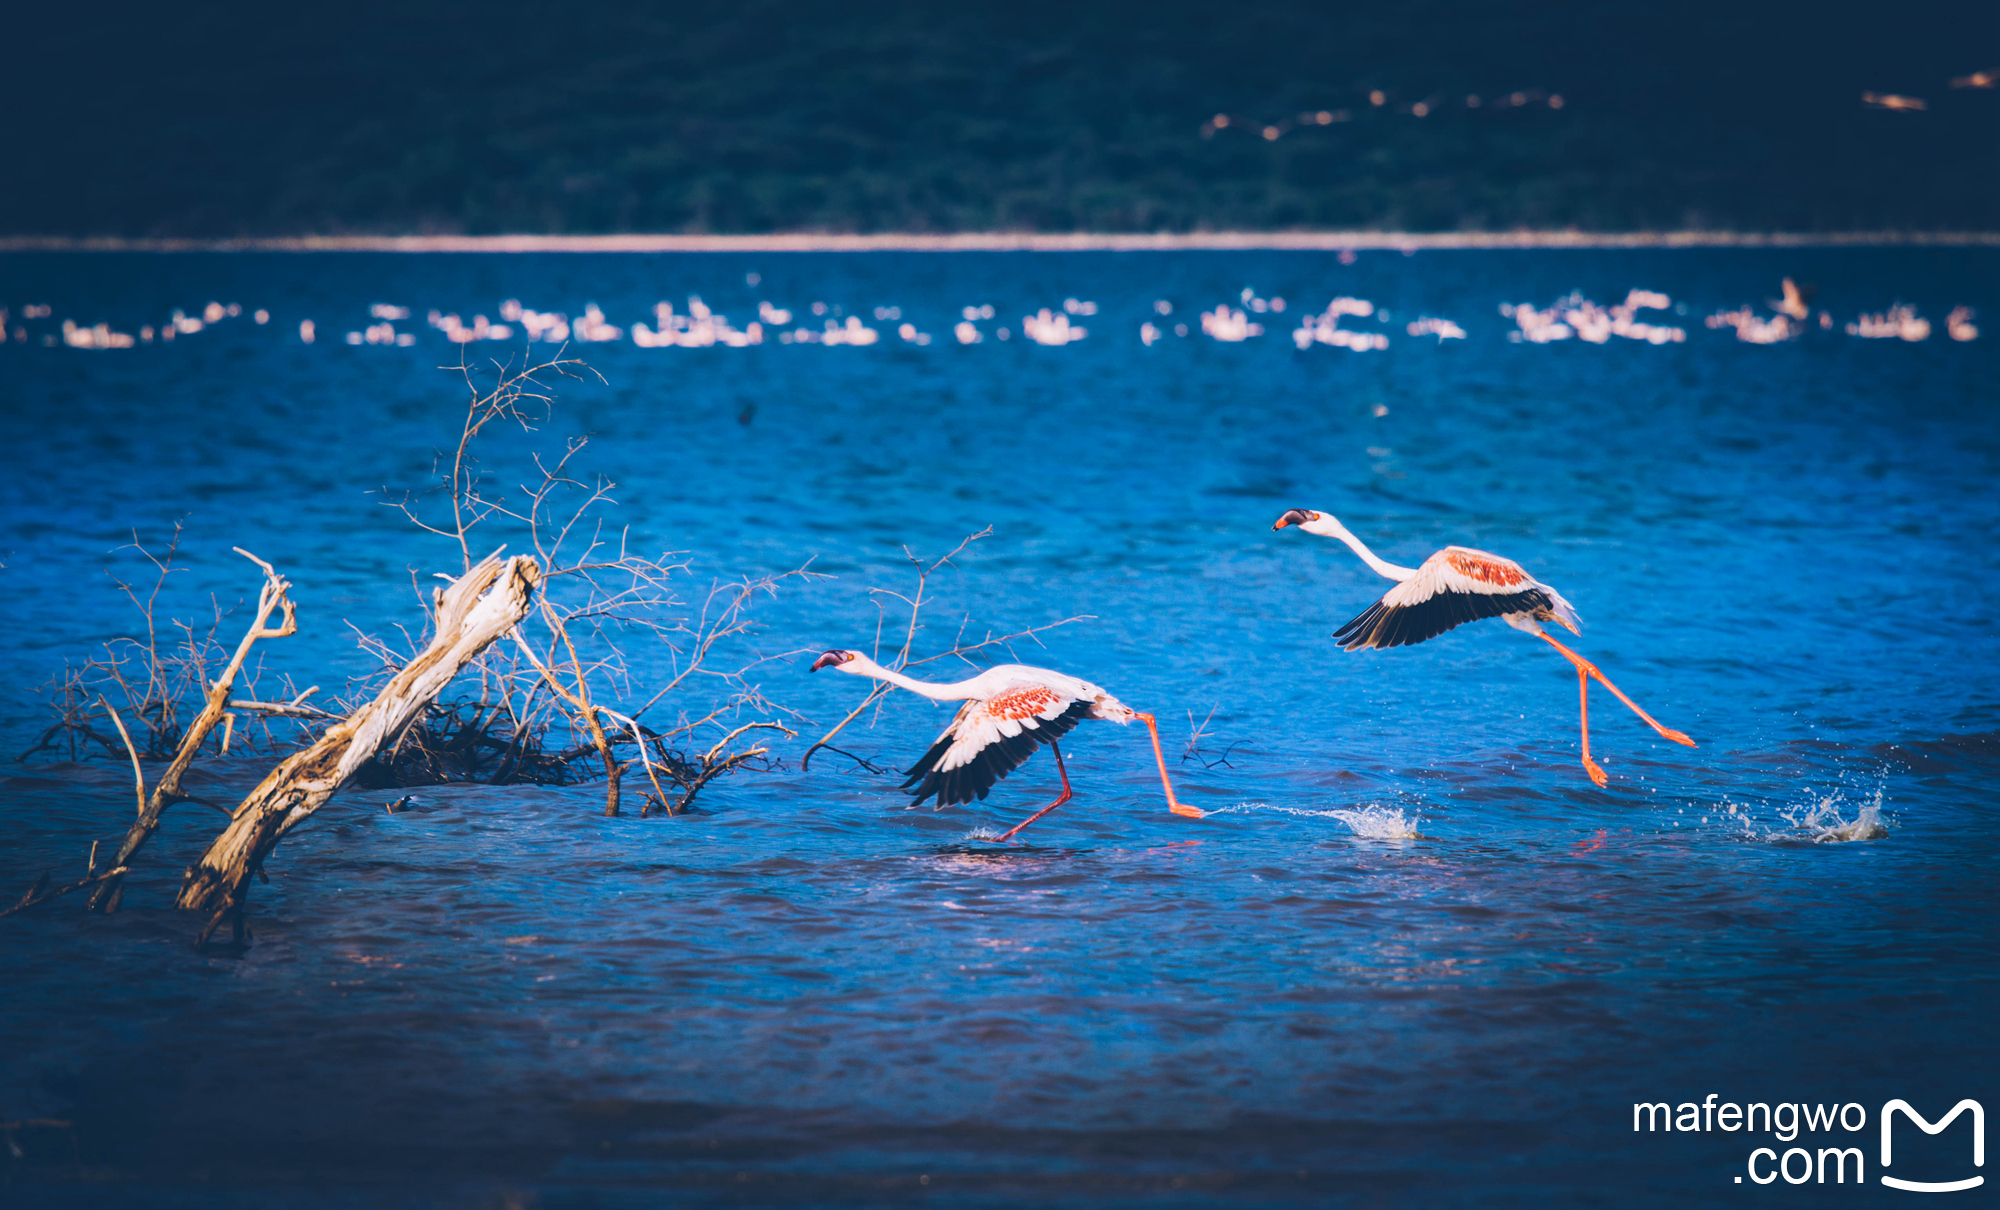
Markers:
<point>501,115</point>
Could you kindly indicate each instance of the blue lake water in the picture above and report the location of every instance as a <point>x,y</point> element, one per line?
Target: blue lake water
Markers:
<point>1412,957</point>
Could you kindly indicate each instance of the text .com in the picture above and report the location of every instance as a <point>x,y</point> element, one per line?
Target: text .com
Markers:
<point>1785,1120</point>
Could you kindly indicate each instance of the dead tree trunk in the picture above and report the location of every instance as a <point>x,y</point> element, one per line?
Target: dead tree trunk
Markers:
<point>167,791</point>
<point>481,606</point>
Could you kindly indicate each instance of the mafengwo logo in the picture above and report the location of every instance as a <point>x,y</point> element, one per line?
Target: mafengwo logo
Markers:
<point>1889,1112</point>
<point>1801,1165</point>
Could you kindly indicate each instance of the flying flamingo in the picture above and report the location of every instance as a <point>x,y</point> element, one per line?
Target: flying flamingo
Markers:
<point>1009,710</point>
<point>1797,300</point>
<point>1458,585</point>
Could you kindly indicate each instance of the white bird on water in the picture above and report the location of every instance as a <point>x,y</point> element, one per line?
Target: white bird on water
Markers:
<point>1458,585</point>
<point>1009,711</point>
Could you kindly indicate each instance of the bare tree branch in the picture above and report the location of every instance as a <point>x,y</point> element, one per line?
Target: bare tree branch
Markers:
<point>138,775</point>
<point>275,595</point>
<point>40,892</point>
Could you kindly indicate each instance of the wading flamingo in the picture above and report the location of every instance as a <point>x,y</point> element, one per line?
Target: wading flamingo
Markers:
<point>1458,585</point>
<point>1009,710</point>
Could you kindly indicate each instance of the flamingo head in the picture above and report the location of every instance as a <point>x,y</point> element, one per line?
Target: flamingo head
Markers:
<point>1326,525</point>
<point>835,659</point>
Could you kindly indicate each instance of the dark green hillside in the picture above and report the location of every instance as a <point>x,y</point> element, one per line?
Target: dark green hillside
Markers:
<point>504,116</point>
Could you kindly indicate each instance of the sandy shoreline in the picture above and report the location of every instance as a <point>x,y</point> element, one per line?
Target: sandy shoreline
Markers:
<point>1310,241</point>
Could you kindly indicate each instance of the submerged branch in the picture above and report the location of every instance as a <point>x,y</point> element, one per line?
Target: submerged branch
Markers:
<point>275,595</point>
<point>40,892</point>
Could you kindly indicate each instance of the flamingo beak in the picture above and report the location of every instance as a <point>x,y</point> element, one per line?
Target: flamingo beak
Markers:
<point>832,659</point>
<point>1296,516</point>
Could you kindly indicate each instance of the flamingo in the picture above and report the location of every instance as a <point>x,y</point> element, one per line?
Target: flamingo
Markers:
<point>1890,100</point>
<point>1458,585</point>
<point>1797,300</point>
<point>1009,710</point>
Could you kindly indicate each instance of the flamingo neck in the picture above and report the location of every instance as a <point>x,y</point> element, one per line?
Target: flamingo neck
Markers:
<point>863,666</point>
<point>1328,527</point>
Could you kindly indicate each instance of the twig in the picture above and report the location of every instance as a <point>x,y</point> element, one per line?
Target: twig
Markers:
<point>138,777</point>
<point>874,694</point>
<point>38,895</point>
<point>865,763</point>
<point>1197,733</point>
<point>285,709</point>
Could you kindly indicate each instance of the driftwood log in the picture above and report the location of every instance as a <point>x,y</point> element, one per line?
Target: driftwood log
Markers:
<point>480,607</point>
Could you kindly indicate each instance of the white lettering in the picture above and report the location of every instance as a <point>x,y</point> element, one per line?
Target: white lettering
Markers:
<point>1785,1166</point>
<point>1840,1165</point>
<point>1787,1118</point>
<point>1762,1180</point>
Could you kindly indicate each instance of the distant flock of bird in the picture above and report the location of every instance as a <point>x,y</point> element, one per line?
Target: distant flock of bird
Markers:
<point>1377,100</point>
<point>1909,104</point>
<point>1011,710</point>
<point>1572,317</point>
<point>1434,103</point>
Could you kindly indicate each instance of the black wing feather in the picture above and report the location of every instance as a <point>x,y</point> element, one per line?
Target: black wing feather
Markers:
<point>977,777</point>
<point>1382,625</point>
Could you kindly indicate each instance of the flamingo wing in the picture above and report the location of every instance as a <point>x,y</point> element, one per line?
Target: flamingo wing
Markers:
<point>1454,586</point>
<point>990,739</point>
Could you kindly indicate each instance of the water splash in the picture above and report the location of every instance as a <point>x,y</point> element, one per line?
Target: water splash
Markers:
<point>1372,822</point>
<point>1820,820</point>
<point>1379,823</point>
<point>1824,824</point>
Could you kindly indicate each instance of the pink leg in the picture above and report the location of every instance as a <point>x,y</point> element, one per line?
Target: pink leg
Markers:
<point>1584,671</point>
<point>1586,667</point>
<point>1009,833</point>
<point>1173,804</point>
<point>1583,710</point>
